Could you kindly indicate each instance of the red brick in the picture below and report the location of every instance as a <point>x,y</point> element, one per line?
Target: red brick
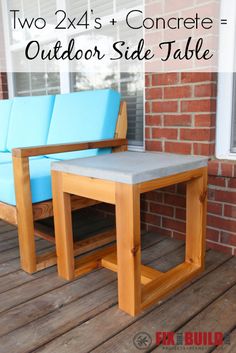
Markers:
<point>204,149</point>
<point>230,211</point>
<point>147,133</point>
<point>153,120</point>
<point>175,200</point>
<point>151,218</point>
<point>177,92</point>
<point>164,106</point>
<point>193,77</point>
<point>205,120</point>
<point>148,107</point>
<point>144,206</point>
<point>196,134</point>
<point>221,223</point>
<point>3,86</point>
<point>219,247</point>
<point>177,120</point>
<point>154,146</point>
<point>228,238</point>
<point>3,78</point>
<point>204,105</point>
<point>178,147</point>
<point>164,133</point>
<point>205,90</point>
<point>153,93</point>
<point>225,196</point>
<point>215,208</point>
<point>181,188</point>
<point>213,168</point>
<point>173,224</point>
<point>163,79</point>
<point>147,81</point>
<point>161,209</point>
<point>212,234</point>
<point>180,213</point>
<point>227,169</point>
<point>155,196</point>
<point>232,183</point>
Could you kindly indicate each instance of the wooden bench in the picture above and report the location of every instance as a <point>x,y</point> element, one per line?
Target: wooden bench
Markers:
<point>27,200</point>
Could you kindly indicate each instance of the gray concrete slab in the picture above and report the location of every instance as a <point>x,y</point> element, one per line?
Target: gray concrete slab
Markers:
<point>131,167</point>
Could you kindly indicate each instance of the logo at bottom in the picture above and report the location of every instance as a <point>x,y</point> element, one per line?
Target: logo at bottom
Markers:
<point>142,340</point>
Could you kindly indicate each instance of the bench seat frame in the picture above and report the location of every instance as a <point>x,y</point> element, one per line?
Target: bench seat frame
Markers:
<point>25,214</point>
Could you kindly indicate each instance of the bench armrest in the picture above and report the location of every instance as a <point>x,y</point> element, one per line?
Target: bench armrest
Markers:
<point>66,147</point>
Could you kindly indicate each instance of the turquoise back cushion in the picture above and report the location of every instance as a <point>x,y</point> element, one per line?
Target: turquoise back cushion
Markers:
<point>29,121</point>
<point>83,116</point>
<point>5,157</point>
<point>5,110</point>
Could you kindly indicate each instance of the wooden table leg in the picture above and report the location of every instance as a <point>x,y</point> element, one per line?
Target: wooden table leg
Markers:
<point>63,228</point>
<point>24,215</point>
<point>196,220</point>
<point>128,248</point>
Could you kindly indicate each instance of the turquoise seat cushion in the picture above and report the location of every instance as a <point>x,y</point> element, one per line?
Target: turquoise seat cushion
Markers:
<point>83,116</point>
<point>5,110</point>
<point>29,121</point>
<point>40,177</point>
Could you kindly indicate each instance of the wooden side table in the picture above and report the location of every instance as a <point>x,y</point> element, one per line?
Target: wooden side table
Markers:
<point>120,179</point>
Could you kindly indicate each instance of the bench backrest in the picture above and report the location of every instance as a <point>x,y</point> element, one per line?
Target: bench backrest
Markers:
<point>73,117</point>
<point>84,116</point>
<point>29,121</point>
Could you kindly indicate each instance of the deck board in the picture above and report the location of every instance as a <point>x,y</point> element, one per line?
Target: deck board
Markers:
<point>213,318</point>
<point>43,313</point>
<point>229,348</point>
<point>162,317</point>
<point>47,302</point>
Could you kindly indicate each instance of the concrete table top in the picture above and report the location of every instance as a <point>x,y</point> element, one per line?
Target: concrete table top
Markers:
<point>131,167</point>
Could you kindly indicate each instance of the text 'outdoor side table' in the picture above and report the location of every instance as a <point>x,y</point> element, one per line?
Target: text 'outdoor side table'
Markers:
<point>120,179</point>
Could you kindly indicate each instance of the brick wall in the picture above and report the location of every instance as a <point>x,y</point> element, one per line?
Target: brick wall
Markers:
<point>180,113</point>
<point>3,86</point>
<point>222,206</point>
<point>181,118</point>
<point>3,76</point>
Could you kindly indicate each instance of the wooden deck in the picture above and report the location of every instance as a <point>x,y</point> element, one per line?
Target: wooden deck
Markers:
<point>42,313</point>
